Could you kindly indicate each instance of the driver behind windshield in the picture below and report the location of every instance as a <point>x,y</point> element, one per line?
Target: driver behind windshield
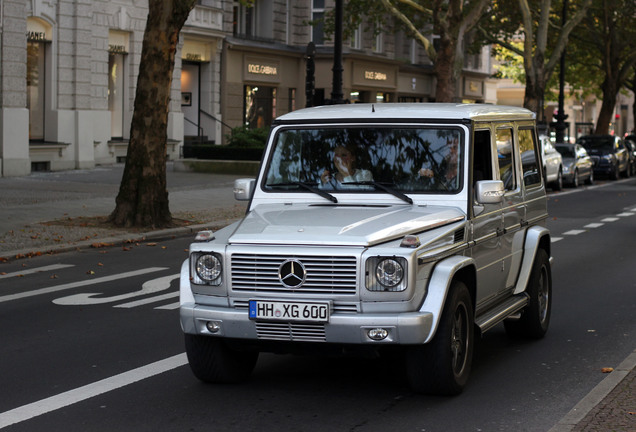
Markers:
<point>345,171</point>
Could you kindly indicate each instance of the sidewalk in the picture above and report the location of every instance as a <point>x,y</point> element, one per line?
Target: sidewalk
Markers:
<point>59,211</point>
<point>54,212</point>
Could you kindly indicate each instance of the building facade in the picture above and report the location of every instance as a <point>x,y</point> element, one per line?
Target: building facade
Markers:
<point>68,71</point>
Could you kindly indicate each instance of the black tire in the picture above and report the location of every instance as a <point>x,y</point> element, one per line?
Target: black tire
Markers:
<point>590,179</point>
<point>212,361</point>
<point>575,179</point>
<point>535,317</point>
<point>442,366</point>
<point>614,173</point>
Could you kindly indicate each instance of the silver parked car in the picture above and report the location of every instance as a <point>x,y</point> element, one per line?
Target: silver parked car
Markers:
<point>552,164</point>
<point>577,164</point>
<point>371,227</point>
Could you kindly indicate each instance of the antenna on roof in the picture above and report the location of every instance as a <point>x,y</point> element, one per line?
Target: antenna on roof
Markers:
<point>372,108</point>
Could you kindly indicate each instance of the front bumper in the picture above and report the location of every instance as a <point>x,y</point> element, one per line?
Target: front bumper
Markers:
<point>343,328</point>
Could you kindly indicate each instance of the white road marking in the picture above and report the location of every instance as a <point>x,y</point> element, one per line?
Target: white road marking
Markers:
<point>556,239</point>
<point>609,219</point>
<point>149,287</point>
<point>170,306</point>
<point>594,225</point>
<point>148,300</point>
<point>52,267</point>
<point>71,285</point>
<point>574,232</point>
<point>625,214</point>
<point>27,412</point>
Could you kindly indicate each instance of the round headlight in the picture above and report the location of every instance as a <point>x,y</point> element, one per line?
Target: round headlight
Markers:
<point>208,267</point>
<point>389,272</point>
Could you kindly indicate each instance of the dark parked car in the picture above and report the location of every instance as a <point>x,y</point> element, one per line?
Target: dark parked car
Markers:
<point>630,143</point>
<point>608,153</point>
<point>577,164</point>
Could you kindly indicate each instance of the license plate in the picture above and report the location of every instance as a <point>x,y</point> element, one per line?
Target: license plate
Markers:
<point>289,311</point>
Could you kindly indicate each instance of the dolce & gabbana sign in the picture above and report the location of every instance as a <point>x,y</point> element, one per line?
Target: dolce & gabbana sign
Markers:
<point>261,69</point>
<point>374,75</point>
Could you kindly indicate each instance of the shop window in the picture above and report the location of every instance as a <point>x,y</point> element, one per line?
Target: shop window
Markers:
<point>35,88</point>
<point>116,94</point>
<point>260,106</point>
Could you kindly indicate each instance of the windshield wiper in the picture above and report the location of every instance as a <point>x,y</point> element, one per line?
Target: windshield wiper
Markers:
<point>385,188</point>
<point>308,187</point>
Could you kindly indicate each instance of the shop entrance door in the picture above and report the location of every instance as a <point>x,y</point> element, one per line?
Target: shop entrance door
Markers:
<point>190,89</point>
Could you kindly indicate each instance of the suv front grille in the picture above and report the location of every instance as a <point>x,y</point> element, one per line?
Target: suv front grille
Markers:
<point>325,274</point>
<point>291,331</point>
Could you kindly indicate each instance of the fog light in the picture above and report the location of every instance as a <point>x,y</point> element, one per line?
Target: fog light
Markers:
<point>213,326</point>
<point>377,334</point>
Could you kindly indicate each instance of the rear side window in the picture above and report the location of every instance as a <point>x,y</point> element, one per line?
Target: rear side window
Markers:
<point>529,158</point>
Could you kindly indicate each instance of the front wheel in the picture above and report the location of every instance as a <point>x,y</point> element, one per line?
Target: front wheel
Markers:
<point>535,317</point>
<point>442,366</point>
<point>213,361</point>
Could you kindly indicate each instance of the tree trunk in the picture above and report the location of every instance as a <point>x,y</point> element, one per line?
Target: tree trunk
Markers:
<point>143,196</point>
<point>607,107</point>
<point>445,72</point>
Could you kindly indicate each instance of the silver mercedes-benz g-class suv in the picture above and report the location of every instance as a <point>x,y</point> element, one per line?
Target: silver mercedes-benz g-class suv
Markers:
<point>377,226</point>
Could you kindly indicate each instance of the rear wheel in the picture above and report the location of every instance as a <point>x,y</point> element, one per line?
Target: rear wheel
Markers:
<point>442,366</point>
<point>213,361</point>
<point>558,183</point>
<point>575,179</point>
<point>590,179</point>
<point>535,317</point>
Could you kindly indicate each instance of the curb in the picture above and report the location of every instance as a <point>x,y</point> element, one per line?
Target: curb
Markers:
<point>596,396</point>
<point>115,240</point>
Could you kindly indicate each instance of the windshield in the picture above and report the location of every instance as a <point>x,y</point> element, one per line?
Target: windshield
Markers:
<point>359,159</point>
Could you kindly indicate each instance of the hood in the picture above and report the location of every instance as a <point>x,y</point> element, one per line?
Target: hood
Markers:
<point>338,225</point>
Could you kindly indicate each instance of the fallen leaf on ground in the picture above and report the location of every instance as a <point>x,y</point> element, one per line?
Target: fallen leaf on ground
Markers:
<point>607,370</point>
<point>90,272</point>
<point>151,244</point>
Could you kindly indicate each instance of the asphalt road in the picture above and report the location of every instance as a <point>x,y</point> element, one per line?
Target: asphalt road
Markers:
<point>94,343</point>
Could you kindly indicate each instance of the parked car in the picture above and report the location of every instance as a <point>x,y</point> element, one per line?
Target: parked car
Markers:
<point>608,153</point>
<point>577,164</point>
<point>630,143</point>
<point>371,227</point>
<point>552,164</point>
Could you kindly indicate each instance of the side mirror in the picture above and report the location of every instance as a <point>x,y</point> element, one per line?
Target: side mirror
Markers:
<point>489,191</point>
<point>243,188</point>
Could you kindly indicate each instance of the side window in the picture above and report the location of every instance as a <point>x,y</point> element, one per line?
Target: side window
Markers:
<point>529,158</point>
<point>482,156</point>
<point>505,158</point>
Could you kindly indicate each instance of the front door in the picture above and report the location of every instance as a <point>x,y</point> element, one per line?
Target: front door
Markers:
<point>190,87</point>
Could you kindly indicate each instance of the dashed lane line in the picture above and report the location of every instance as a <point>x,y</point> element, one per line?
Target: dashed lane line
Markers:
<point>27,412</point>
<point>71,285</point>
<point>145,301</point>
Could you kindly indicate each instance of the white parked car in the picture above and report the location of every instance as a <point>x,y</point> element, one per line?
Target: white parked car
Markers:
<point>552,164</point>
<point>371,227</point>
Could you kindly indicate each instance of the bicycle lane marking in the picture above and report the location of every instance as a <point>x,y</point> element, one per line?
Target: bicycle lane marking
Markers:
<point>80,394</point>
<point>71,285</point>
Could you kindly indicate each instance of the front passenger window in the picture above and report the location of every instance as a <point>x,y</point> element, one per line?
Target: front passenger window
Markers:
<point>505,158</point>
<point>529,161</point>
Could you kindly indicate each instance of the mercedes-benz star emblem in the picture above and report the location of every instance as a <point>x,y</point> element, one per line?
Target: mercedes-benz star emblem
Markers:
<point>292,273</point>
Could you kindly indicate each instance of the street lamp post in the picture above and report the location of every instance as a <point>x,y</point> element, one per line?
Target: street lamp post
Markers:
<point>336,87</point>
<point>561,116</point>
